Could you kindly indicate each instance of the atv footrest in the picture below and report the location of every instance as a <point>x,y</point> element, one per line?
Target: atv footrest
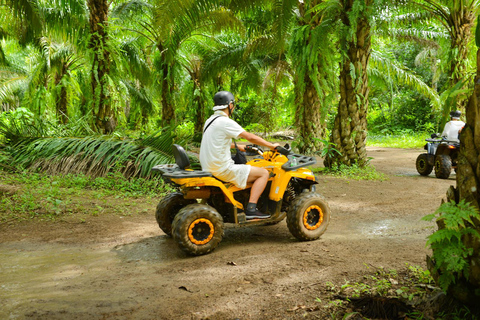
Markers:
<point>172,171</point>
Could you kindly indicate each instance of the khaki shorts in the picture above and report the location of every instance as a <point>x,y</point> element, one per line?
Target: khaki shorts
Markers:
<point>236,174</point>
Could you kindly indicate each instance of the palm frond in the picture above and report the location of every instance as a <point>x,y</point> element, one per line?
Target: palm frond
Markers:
<point>27,11</point>
<point>95,156</point>
<point>130,8</point>
<point>424,37</point>
<point>283,10</point>
<point>134,61</point>
<point>65,20</point>
<point>403,76</point>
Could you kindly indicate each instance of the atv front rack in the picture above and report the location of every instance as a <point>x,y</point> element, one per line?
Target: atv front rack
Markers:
<point>302,161</point>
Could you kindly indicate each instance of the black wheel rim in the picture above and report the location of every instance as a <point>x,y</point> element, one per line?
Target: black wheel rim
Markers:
<point>313,217</point>
<point>201,231</point>
<point>422,164</point>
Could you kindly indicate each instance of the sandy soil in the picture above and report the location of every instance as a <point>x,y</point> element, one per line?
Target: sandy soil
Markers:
<point>114,267</point>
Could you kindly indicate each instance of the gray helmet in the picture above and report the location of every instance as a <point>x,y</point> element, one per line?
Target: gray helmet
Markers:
<point>223,98</point>
<point>455,114</point>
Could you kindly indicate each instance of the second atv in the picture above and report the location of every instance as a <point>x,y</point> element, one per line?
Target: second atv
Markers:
<point>195,215</point>
<point>441,155</point>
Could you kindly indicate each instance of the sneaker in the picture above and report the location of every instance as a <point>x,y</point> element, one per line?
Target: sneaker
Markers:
<point>256,215</point>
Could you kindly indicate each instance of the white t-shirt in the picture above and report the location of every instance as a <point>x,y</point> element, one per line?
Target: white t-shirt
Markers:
<point>215,156</point>
<point>450,132</point>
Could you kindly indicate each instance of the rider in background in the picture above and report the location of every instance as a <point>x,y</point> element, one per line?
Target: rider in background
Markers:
<point>453,127</point>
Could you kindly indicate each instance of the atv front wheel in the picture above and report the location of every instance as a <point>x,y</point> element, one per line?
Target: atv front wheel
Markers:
<point>198,229</point>
<point>443,166</point>
<point>423,167</point>
<point>167,208</point>
<point>308,216</point>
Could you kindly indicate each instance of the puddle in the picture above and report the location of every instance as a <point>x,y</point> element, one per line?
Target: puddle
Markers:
<point>157,249</point>
<point>36,279</point>
<point>43,274</point>
<point>394,227</point>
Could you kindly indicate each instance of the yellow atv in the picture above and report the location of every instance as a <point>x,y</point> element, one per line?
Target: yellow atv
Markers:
<point>195,215</point>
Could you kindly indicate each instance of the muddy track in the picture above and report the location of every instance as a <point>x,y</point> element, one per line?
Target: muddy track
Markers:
<point>115,267</point>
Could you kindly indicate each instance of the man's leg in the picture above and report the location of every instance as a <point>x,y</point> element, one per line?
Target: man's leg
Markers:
<point>259,177</point>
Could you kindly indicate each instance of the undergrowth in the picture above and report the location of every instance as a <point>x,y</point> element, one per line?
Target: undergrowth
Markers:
<point>450,253</point>
<point>391,294</point>
<point>403,140</point>
<point>354,172</point>
<point>29,195</point>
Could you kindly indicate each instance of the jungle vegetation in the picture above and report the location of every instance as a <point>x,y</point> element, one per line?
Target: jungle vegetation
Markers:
<point>94,85</point>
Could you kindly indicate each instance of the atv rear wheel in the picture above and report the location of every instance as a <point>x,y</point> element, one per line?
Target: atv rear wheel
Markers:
<point>443,166</point>
<point>423,167</point>
<point>198,229</point>
<point>308,216</point>
<point>167,208</point>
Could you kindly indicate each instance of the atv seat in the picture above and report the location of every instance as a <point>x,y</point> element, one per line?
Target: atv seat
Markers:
<point>181,168</point>
<point>181,157</point>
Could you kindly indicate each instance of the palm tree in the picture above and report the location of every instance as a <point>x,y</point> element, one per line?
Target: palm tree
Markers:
<point>134,72</point>
<point>313,60</point>
<point>458,18</point>
<point>104,117</point>
<point>350,127</point>
<point>29,23</point>
<point>466,286</point>
<point>170,24</point>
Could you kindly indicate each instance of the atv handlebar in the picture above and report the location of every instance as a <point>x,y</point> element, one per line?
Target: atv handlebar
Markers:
<point>253,149</point>
<point>284,150</point>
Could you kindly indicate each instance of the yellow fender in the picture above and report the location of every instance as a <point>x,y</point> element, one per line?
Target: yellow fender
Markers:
<point>280,183</point>
<point>211,182</point>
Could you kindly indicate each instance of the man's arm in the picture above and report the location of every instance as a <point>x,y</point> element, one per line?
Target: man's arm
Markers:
<point>446,129</point>
<point>257,140</point>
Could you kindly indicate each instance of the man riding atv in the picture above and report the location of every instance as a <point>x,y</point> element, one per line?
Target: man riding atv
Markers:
<point>277,181</point>
<point>453,127</point>
<point>442,153</point>
<point>215,154</point>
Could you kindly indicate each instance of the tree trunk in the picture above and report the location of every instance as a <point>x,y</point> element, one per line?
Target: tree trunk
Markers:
<point>104,117</point>
<point>61,101</point>
<point>462,23</point>
<point>468,186</point>
<point>308,118</point>
<point>199,109</point>
<point>350,128</point>
<point>167,84</point>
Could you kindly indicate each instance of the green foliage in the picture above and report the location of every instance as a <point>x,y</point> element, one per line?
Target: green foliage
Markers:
<point>405,284</point>
<point>168,54</point>
<point>447,243</point>
<point>411,112</point>
<point>354,172</point>
<point>31,147</point>
<point>405,139</point>
<point>328,149</point>
<point>256,114</point>
<point>53,197</point>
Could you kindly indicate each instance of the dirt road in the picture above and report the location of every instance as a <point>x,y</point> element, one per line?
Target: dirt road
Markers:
<point>114,267</point>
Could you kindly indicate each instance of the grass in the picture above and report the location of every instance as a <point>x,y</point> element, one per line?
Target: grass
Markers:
<point>405,140</point>
<point>26,195</point>
<point>379,289</point>
<point>353,172</point>
<point>402,140</point>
